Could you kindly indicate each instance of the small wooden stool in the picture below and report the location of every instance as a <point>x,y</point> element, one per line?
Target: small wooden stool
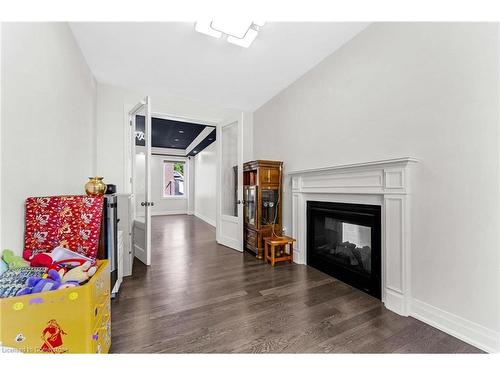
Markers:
<point>278,243</point>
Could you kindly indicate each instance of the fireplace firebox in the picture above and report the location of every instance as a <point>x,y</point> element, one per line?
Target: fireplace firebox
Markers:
<point>343,240</point>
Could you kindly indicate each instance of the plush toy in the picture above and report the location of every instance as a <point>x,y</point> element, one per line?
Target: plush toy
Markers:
<point>46,260</point>
<point>81,273</point>
<point>13,261</point>
<point>40,284</point>
<point>51,262</point>
<point>41,260</point>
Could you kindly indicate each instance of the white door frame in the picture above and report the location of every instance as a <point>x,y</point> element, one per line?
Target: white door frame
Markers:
<point>145,250</point>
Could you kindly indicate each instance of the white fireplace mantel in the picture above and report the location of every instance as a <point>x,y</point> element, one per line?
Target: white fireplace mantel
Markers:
<point>385,183</point>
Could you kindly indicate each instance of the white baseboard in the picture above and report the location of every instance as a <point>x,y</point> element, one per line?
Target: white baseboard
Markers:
<point>297,257</point>
<point>161,213</point>
<point>205,219</point>
<point>139,252</point>
<point>230,242</point>
<point>463,329</point>
<point>395,301</point>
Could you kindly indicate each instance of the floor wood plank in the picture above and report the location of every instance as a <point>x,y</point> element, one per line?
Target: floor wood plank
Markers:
<point>201,297</point>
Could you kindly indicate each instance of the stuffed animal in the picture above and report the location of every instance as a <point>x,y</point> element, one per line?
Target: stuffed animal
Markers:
<point>40,284</point>
<point>49,261</point>
<point>81,273</point>
<point>13,261</point>
<point>41,260</point>
<point>58,259</point>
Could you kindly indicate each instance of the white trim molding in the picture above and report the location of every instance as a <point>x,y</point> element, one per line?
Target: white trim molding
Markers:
<point>163,213</point>
<point>385,183</point>
<point>466,330</point>
<point>206,219</point>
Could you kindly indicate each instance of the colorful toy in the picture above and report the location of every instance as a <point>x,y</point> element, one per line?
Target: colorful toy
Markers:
<point>13,261</point>
<point>61,266</point>
<point>51,261</point>
<point>62,253</point>
<point>40,284</point>
<point>41,260</point>
<point>81,273</point>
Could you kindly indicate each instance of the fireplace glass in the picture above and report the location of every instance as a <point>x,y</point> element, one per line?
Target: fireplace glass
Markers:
<point>343,240</point>
<point>344,243</point>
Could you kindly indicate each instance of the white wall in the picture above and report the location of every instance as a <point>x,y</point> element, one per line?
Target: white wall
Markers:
<point>425,90</point>
<point>205,180</point>
<point>48,107</point>
<point>248,153</point>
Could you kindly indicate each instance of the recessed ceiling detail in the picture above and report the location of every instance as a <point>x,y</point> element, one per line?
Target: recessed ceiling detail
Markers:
<point>174,134</point>
<point>203,144</point>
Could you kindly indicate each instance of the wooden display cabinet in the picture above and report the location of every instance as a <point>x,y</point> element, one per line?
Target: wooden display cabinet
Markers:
<point>262,190</point>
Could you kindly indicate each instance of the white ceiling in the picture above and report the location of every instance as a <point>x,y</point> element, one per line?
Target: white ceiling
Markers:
<point>171,57</point>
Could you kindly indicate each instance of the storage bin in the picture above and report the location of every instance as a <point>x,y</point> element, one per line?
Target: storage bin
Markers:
<point>72,320</point>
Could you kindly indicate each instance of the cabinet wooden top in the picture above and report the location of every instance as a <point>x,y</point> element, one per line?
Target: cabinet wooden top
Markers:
<point>254,164</point>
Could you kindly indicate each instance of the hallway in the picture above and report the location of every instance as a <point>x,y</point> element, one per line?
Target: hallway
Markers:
<point>200,297</point>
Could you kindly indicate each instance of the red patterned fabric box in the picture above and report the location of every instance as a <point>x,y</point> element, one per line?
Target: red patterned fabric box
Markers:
<point>73,222</point>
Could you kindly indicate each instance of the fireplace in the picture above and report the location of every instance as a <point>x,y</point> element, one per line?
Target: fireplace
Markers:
<point>382,183</point>
<point>343,240</point>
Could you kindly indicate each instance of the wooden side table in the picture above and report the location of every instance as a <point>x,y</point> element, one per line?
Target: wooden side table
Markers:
<point>277,247</point>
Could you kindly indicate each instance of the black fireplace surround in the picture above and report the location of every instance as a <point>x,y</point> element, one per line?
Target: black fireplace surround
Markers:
<point>343,240</point>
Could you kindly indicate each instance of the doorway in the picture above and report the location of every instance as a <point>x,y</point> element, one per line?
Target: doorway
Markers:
<point>170,157</point>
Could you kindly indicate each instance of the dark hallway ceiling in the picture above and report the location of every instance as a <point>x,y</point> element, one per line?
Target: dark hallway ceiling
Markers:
<point>174,134</point>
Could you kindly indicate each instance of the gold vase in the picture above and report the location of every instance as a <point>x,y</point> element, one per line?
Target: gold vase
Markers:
<point>95,186</point>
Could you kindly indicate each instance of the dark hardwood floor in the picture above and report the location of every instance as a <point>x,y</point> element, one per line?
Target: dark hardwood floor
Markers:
<point>200,297</point>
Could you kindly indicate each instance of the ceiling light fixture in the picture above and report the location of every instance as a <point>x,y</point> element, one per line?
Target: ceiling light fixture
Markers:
<point>235,28</point>
<point>205,27</point>
<point>181,131</point>
<point>239,32</point>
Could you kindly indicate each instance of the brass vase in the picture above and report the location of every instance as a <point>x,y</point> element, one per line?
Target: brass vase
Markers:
<point>95,186</point>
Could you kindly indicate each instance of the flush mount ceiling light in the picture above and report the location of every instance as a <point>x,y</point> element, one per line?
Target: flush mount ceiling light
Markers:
<point>239,32</point>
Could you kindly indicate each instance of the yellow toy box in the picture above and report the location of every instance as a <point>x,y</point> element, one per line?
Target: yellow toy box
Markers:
<point>72,320</point>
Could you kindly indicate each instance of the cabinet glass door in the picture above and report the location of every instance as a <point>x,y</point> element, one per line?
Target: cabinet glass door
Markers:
<point>250,204</point>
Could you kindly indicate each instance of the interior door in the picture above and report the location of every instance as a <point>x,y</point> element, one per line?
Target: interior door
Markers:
<point>140,121</point>
<point>230,183</point>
